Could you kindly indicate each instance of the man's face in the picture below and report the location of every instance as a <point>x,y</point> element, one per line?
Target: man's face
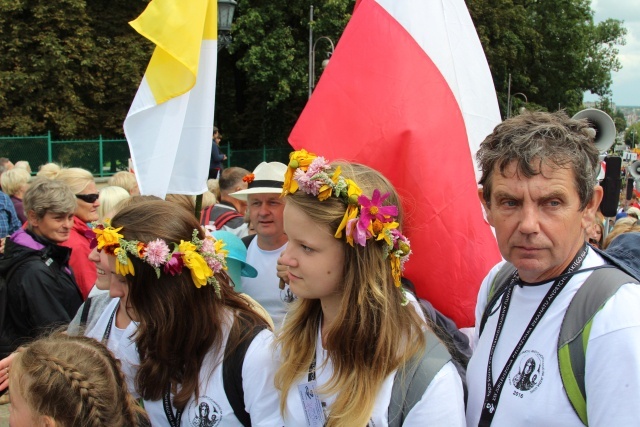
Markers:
<point>265,212</point>
<point>538,224</point>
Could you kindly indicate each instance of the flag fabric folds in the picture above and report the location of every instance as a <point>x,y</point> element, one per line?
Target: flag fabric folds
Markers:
<point>170,122</point>
<point>408,92</point>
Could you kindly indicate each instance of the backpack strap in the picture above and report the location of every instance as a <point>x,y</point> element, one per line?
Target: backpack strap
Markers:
<point>232,376</point>
<point>205,215</point>
<point>498,285</point>
<point>85,312</point>
<point>248,239</point>
<point>576,326</point>
<point>410,382</point>
<point>226,217</point>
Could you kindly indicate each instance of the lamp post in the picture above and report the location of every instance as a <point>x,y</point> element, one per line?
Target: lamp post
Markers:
<point>510,102</point>
<point>312,53</point>
<point>226,9</point>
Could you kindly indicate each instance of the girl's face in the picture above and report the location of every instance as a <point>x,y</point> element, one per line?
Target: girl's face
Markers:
<point>100,259</point>
<point>20,413</point>
<point>118,287</point>
<point>314,258</point>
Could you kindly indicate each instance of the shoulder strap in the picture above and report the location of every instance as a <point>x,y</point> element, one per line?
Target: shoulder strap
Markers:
<point>225,217</point>
<point>499,283</point>
<point>574,333</point>
<point>232,377</point>
<point>205,215</point>
<point>85,312</point>
<point>412,381</point>
<point>248,239</point>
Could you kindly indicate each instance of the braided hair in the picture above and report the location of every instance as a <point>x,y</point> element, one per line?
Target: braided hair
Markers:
<point>76,381</point>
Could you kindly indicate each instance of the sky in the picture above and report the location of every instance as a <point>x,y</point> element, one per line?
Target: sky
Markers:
<point>626,82</point>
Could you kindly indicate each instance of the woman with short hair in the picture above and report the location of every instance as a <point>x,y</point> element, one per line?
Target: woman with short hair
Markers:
<point>15,182</point>
<point>41,290</point>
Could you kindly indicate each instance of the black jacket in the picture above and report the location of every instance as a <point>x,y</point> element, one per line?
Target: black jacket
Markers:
<point>41,292</point>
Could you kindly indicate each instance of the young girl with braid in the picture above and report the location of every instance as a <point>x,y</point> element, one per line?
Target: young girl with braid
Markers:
<point>352,328</point>
<point>191,325</point>
<point>66,381</point>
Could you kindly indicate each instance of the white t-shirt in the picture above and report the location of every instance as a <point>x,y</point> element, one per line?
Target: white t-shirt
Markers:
<point>212,407</point>
<point>442,404</point>
<point>265,288</point>
<point>119,342</point>
<point>535,397</point>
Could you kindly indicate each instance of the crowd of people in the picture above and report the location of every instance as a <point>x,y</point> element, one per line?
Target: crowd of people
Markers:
<point>285,304</point>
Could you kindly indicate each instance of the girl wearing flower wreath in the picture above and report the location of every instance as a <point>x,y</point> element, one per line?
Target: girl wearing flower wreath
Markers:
<point>191,323</point>
<point>351,330</point>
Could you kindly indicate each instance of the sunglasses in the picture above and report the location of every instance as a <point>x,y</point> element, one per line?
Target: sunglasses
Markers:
<point>89,198</point>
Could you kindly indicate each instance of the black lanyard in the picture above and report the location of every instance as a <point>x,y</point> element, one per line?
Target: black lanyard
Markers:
<point>312,368</point>
<point>174,420</point>
<point>492,393</point>
<point>107,332</point>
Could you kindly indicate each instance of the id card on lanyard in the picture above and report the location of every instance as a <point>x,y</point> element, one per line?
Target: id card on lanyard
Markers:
<point>311,404</point>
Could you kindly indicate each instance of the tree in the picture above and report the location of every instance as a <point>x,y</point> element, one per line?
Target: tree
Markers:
<point>68,67</point>
<point>631,135</point>
<point>553,50</point>
<point>262,81</point>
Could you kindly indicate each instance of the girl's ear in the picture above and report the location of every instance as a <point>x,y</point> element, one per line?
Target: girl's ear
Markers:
<point>46,421</point>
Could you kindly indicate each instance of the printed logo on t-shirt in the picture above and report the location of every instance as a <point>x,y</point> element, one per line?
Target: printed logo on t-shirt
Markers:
<point>530,370</point>
<point>204,412</point>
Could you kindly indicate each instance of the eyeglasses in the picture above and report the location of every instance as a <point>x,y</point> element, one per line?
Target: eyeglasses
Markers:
<point>89,198</point>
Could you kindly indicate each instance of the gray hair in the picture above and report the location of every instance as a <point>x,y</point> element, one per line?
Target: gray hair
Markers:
<point>536,138</point>
<point>45,195</point>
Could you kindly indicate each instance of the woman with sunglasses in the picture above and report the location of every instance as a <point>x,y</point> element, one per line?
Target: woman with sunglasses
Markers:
<point>83,186</point>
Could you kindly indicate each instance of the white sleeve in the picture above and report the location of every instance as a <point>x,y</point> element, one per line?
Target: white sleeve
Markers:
<point>612,372</point>
<point>442,403</point>
<point>261,398</point>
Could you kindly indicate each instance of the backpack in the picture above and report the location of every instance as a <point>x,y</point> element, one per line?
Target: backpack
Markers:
<point>221,220</point>
<point>601,285</point>
<point>410,383</point>
<point>447,331</point>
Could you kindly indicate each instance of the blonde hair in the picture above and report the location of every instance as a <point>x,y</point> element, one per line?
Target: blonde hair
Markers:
<point>110,197</point>
<point>49,170</point>
<point>372,335</point>
<point>214,186</point>
<point>76,178</point>
<point>74,380</point>
<point>23,164</point>
<point>14,180</point>
<point>124,179</point>
<point>208,199</point>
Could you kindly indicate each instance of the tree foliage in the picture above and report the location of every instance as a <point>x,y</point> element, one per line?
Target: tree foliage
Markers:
<point>73,67</point>
<point>65,65</point>
<point>553,50</point>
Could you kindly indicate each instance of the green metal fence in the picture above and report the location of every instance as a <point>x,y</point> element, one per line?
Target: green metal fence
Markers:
<point>104,157</point>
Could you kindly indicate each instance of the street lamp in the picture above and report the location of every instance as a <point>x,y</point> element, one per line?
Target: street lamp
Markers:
<point>226,9</point>
<point>312,53</point>
<point>312,68</point>
<point>509,102</point>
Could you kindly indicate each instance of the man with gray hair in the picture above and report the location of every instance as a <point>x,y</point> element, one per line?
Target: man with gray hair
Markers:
<point>540,193</point>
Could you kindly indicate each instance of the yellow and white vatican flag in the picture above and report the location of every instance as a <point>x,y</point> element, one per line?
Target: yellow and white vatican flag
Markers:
<point>170,122</point>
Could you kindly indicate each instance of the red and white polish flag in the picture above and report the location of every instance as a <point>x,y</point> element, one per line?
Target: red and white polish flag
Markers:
<point>408,92</point>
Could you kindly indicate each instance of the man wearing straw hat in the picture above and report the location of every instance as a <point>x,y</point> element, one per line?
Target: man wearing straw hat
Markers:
<point>265,212</point>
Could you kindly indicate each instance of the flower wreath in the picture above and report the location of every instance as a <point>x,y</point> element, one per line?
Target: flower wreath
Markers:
<point>364,218</point>
<point>204,258</point>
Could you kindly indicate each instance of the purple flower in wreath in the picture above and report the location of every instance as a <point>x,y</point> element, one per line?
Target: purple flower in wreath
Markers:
<point>174,265</point>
